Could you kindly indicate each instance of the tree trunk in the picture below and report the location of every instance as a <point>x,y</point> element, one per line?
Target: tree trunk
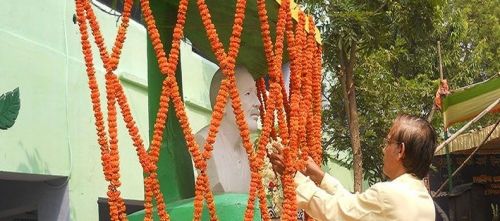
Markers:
<point>347,80</point>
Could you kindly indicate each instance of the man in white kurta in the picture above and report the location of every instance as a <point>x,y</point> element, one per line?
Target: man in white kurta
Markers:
<point>408,151</point>
<point>404,198</point>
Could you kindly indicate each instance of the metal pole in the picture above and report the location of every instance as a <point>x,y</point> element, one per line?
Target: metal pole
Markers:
<point>448,158</point>
<point>440,62</point>
<point>448,163</point>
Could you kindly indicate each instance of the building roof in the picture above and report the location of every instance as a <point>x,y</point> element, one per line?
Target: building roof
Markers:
<point>466,143</point>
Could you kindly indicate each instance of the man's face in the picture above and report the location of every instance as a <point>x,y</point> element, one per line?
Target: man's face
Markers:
<point>249,102</point>
<point>392,154</point>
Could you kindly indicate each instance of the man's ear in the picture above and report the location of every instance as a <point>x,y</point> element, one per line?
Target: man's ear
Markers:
<point>401,152</point>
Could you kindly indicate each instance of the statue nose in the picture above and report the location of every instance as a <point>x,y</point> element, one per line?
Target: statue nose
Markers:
<point>255,101</point>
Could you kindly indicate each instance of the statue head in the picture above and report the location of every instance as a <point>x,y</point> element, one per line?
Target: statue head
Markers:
<point>248,96</point>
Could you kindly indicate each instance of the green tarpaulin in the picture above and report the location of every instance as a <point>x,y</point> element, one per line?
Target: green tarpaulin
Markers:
<point>465,104</point>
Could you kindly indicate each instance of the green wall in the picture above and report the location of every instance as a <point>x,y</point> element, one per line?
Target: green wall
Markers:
<point>54,134</point>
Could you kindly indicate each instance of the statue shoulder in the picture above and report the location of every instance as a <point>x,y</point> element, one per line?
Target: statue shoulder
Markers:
<point>201,135</point>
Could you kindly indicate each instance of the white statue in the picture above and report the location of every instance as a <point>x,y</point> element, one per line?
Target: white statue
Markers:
<point>228,168</point>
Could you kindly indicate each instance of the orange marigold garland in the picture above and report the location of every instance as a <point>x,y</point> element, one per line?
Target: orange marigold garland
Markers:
<point>317,105</point>
<point>306,101</point>
<point>290,209</point>
<point>295,119</point>
<point>277,101</point>
<point>217,115</point>
<point>261,95</point>
<point>227,63</point>
<point>266,34</point>
<point>167,67</point>
<point>317,150</point>
<point>273,68</point>
<point>149,167</point>
<point>290,153</point>
<point>294,44</point>
<point>110,64</point>
<point>261,149</point>
<point>117,206</point>
<point>109,152</point>
<point>314,113</point>
<point>130,124</point>
<point>114,164</point>
<point>274,59</point>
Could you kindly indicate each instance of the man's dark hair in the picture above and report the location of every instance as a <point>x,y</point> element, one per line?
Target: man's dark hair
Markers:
<point>419,139</point>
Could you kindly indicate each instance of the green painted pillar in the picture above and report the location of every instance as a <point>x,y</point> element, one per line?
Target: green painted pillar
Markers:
<point>448,163</point>
<point>175,168</point>
<point>174,165</point>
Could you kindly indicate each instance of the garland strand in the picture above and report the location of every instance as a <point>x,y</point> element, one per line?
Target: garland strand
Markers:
<point>297,113</point>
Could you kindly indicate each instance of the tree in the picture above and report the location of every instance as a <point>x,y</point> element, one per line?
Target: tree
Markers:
<point>362,41</point>
<point>470,34</point>
<point>394,65</point>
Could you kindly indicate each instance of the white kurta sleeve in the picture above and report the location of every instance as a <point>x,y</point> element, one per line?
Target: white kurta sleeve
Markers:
<point>332,185</point>
<point>333,202</point>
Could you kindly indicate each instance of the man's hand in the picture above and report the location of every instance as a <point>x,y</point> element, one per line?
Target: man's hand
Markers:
<point>313,171</point>
<point>276,159</point>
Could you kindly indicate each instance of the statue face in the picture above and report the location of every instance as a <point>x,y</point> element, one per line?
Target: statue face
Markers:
<point>249,101</point>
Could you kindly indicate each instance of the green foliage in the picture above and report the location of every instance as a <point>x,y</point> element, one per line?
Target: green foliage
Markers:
<point>9,108</point>
<point>471,37</point>
<point>472,44</point>
<point>397,63</point>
